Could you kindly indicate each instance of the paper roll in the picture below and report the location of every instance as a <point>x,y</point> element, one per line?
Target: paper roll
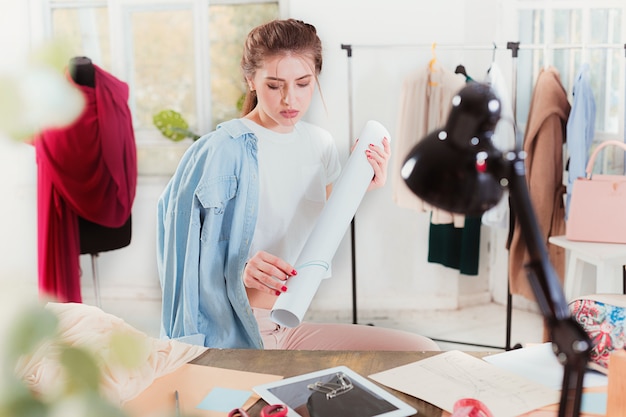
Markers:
<point>319,249</point>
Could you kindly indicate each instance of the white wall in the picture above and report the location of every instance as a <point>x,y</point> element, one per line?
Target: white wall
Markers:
<point>18,214</point>
<point>392,243</point>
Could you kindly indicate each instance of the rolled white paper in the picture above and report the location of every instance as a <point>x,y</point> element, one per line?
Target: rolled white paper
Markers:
<point>319,249</point>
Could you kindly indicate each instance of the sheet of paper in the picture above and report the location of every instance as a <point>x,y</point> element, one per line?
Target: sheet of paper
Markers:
<point>203,391</point>
<point>224,399</point>
<point>330,228</point>
<point>447,377</point>
<point>538,363</point>
<point>594,403</point>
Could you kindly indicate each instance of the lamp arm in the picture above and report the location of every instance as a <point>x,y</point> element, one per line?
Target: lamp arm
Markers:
<point>570,342</point>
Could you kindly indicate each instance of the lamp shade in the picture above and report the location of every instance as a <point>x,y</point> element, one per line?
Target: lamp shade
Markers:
<point>457,168</point>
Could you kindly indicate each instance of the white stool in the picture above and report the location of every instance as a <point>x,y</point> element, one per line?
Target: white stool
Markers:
<point>608,258</point>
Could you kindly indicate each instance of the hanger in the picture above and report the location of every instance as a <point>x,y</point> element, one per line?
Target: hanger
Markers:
<point>433,60</point>
<point>493,57</point>
<point>431,64</point>
<point>460,69</point>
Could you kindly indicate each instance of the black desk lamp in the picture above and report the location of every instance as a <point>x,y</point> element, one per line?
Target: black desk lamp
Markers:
<point>458,169</point>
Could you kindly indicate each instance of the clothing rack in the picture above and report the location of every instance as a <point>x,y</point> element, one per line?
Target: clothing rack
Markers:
<point>443,46</point>
<point>514,47</point>
<point>570,46</point>
<point>433,46</point>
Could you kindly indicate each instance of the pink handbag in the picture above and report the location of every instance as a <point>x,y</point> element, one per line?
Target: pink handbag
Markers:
<point>597,211</point>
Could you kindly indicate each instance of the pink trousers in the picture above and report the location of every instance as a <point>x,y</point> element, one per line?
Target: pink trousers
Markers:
<point>337,336</point>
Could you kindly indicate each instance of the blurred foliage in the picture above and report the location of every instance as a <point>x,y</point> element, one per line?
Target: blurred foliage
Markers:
<point>78,394</point>
<point>127,350</point>
<point>54,54</point>
<point>37,95</point>
<point>29,331</point>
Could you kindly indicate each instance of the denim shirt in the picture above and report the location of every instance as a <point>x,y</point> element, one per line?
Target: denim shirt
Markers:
<point>580,130</point>
<point>206,219</point>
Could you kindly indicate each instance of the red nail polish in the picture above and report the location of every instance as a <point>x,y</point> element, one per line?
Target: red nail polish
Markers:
<point>277,292</point>
<point>283,288</point>
<point>294,272</point>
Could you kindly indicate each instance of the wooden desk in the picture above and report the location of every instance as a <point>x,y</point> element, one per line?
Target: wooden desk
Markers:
<point>608,258</point>
<point>296,362</point>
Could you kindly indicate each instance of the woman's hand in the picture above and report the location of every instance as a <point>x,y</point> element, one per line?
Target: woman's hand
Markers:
<point>379,160</point>
<point>267,273</point>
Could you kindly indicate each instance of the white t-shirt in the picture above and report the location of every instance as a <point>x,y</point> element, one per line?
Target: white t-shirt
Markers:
<point>294,170</point>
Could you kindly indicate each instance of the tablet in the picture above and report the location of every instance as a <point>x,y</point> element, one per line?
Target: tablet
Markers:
<point>337,391</point>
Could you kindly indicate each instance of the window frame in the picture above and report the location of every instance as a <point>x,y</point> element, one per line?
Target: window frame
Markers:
<point>549,47</point>
<point>120,32</point>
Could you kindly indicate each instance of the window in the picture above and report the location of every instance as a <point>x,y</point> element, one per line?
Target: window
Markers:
<point>174,54</point>
<point>567,34</point>
<point>160,68</point>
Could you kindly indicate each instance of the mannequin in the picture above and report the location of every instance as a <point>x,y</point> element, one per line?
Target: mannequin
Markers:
<point>82,71</point>
<point>95,238</point>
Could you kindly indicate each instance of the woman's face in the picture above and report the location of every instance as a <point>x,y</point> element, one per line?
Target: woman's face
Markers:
<point>284,87</point>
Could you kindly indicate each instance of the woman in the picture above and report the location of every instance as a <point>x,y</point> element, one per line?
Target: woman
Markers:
<point>242,203</point>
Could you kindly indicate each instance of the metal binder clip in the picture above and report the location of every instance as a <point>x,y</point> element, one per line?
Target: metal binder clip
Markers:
<point>333,389</point>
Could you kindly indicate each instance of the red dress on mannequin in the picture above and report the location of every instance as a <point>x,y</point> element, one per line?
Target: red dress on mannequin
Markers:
<point>87,169</point>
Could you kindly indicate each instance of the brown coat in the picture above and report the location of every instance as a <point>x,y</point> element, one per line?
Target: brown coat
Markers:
<point>543,143</point>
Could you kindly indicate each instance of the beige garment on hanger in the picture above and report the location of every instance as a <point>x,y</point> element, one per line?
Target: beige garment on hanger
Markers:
<point>426,101</point>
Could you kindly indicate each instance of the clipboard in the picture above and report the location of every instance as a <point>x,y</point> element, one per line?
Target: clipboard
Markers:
<point>324,393</point>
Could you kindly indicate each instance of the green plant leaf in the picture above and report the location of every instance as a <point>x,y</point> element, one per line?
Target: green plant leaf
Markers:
<point>81,369</point>
<point>32,327</point>
<point>100,407</point>
<point>88,404</point>
<point>240,102</point>
<point>23,405</point>
<point>128,350</point>
<point>17,400</point>
<point>172,125</point>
